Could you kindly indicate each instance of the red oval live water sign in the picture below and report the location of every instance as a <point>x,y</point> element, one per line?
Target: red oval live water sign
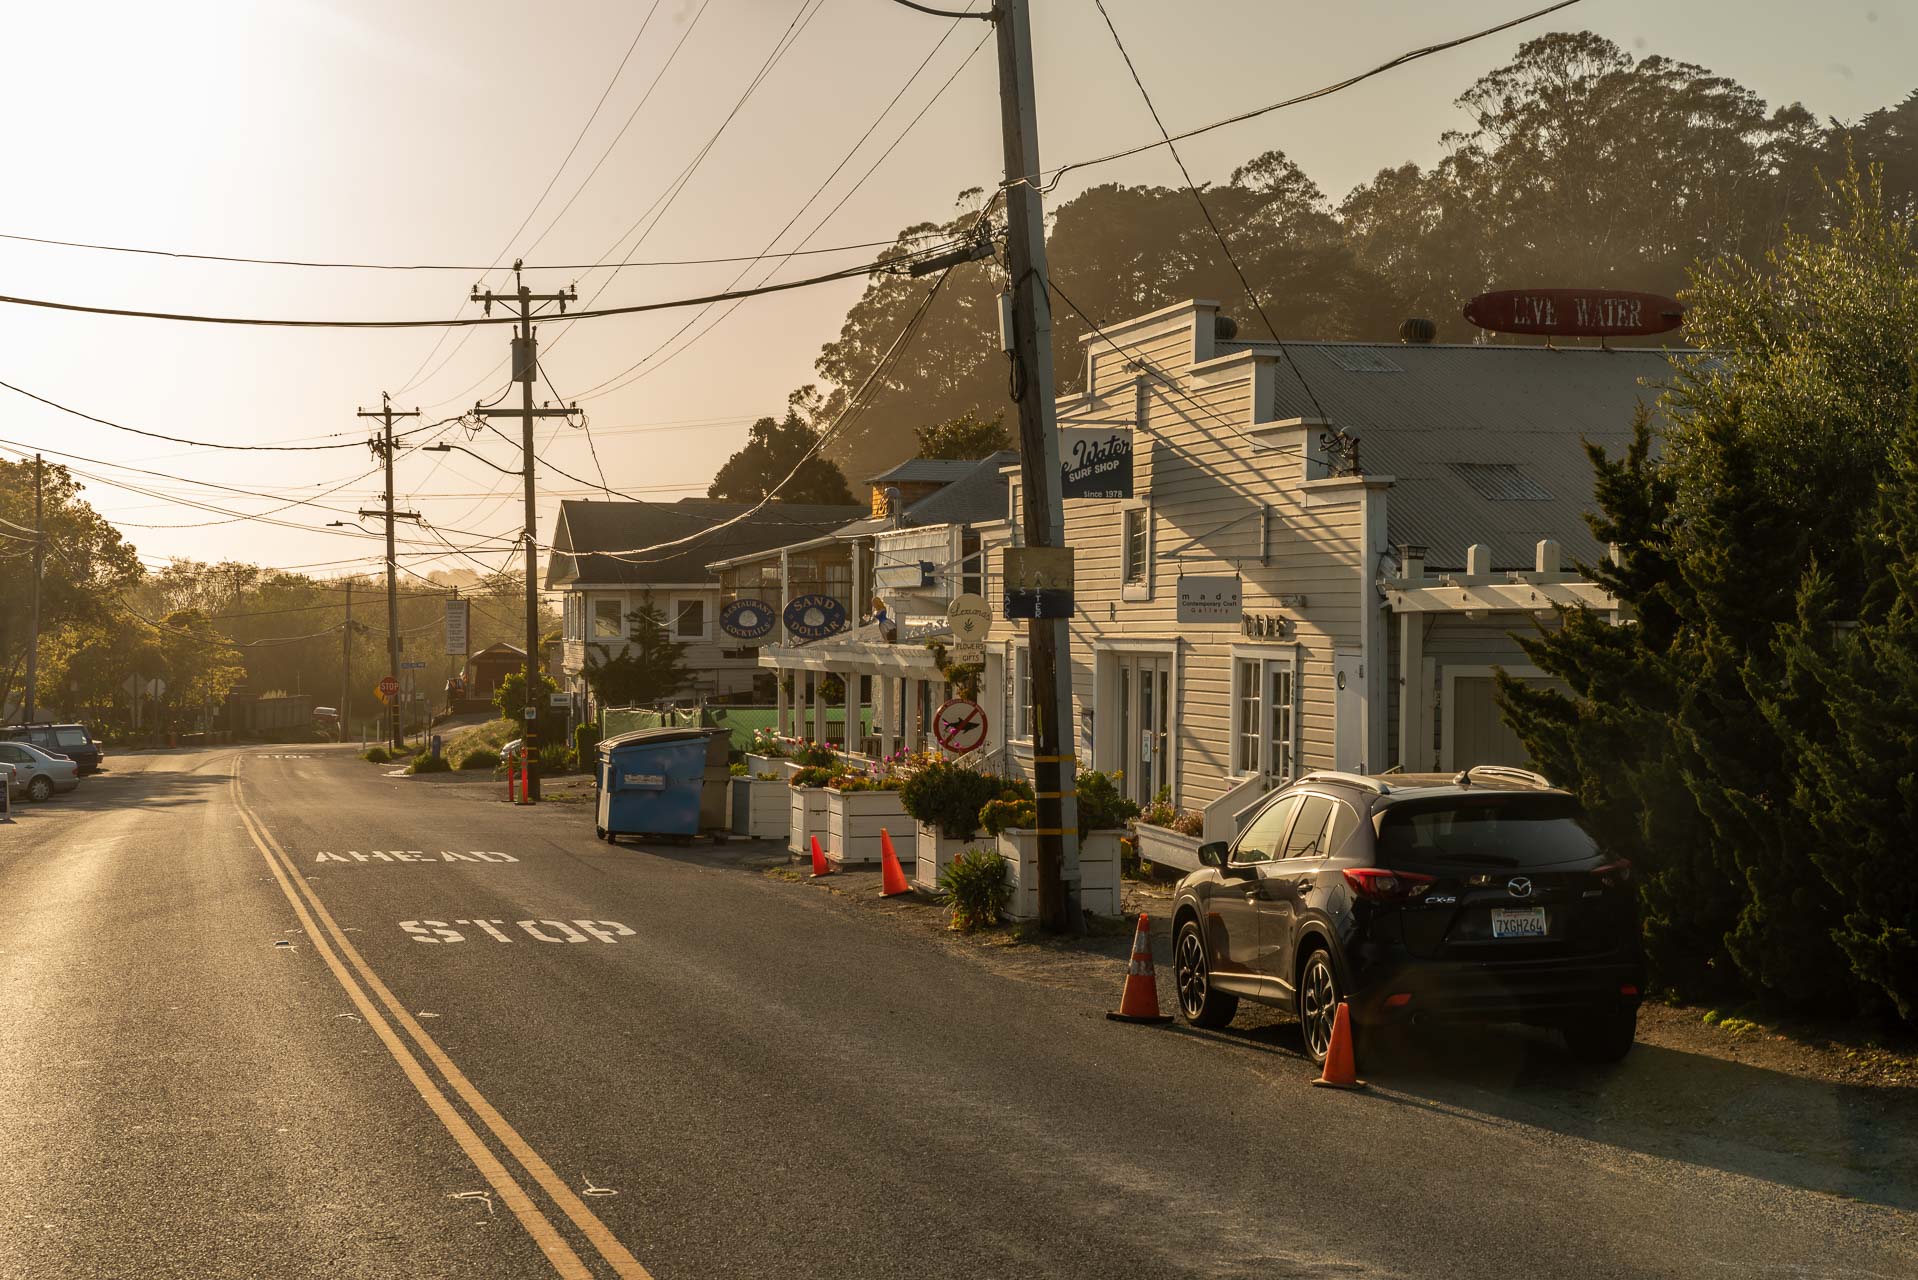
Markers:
<point>1575,313</point>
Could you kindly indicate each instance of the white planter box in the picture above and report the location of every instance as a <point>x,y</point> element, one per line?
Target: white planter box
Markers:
<point>761,809</point>
<point>806,817</point>
<point>853,822</point>
<point>1167,848</point>
<point>934,853</point>
<point>1098,872</point>
<point>756,765</point>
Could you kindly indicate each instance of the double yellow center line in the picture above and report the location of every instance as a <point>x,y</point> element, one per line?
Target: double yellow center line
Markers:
<point>357,978</point>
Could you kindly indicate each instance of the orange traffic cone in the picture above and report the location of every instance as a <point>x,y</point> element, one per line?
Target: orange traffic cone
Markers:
<point>1340,1071</point>
<point>819,867</point>
<point>1139,1002</point>
<point>892,877</point>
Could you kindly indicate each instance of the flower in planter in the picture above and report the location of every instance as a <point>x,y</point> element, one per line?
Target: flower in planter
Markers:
<point>814,776</point>
<point>1163,813</point>
<point>1002,815</point>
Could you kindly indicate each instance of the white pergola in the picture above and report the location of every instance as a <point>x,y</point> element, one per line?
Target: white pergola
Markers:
<point>900,672</point>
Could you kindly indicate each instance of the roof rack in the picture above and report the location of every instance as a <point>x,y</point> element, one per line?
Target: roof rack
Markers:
<point>1508,772</point>
<point>1355,779</point>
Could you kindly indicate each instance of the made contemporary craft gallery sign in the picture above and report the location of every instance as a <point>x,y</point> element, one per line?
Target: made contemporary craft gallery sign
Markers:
<point>1575,313</point>
<point>1095,462</point>
<point>1209,598</point>
<point>814,617</point>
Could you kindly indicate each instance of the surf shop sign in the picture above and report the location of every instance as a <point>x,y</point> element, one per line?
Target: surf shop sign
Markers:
<point>1095,462</point>
<point>1575,313</point>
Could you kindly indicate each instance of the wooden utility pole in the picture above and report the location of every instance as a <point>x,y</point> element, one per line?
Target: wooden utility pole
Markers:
<point>1054,763</point>
<point>346,659</point>
<point>382,446</point>
<point>39,571</point>
<point>525,370</point>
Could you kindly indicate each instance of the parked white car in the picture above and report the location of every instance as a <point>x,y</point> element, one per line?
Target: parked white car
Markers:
<point>38,774</point>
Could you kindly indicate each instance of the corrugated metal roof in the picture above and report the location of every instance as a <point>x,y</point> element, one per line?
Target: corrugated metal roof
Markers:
<point>1487,443</point>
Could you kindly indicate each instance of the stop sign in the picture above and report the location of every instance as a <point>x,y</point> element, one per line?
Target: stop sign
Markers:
<point>389,688</point>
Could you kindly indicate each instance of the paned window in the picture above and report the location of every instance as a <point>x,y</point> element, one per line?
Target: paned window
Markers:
<point>1135,545</point>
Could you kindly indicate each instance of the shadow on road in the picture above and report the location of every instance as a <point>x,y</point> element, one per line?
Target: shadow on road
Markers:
<point>146,789</point>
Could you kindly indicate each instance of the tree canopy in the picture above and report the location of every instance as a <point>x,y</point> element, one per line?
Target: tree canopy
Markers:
<point>773,448</point>
<point>966,436</point>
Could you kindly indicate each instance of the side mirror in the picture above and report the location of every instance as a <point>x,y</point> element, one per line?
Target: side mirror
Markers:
<point>1213,853</point>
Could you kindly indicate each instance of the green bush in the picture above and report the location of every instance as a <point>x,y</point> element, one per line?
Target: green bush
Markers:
<point>737,769</point>
<point>554,758</point>
<point>974,883</point>
<point>1000,815</point>
<point>429,764</point>
<point>949,797</point>
<point>1101,805</point>
<point>478,758</point>
<point>585,744</point>
<point>378,755</point>
<point>817,775</point>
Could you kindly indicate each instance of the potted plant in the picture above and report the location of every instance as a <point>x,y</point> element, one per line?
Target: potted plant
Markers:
<point>944,801</point>
<point>761,809</point>
<point>1011,819</point>
<point>1104,814</point>
<point>806,806</point>
<point>858,807</point>
<point>769,754</point>
<point>1168,835</point>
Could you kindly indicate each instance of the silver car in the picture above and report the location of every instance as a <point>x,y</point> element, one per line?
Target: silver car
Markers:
<point>38,774</point>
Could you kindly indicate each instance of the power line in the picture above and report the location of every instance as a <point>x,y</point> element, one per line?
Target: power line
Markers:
<point>621,380</point>
<point>208,444</point>
<point>843,273</point>
<point>1225,246</point>
<point>1414,55</point>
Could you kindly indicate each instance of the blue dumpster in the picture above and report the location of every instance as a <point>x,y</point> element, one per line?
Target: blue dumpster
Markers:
<point>655,781</point>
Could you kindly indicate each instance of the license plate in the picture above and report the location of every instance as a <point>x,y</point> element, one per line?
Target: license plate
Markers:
<point>1518,922</point>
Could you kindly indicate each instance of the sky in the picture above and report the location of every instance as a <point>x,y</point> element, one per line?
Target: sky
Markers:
<point>428,132</point>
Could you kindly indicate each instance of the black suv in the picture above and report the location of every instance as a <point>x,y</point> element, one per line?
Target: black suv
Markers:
<point>69,740</point>
<point>1415,896</point>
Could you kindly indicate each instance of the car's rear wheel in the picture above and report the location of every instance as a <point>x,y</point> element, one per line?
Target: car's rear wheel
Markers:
<point>1318,1001</point>
<point>1203,1004</point>
<point>41,788</point>
<point>1605,1036</point>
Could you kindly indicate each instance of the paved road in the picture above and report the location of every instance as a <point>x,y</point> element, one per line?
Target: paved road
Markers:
<point>234,1045</point>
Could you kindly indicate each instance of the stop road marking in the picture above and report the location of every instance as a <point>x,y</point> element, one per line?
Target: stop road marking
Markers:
<point>414,855</point>
<point>436,932</point>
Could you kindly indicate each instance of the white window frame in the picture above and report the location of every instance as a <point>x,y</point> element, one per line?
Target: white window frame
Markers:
<point>675,605</point>
<point>1129,589</point>
<point>1263,657</point>
<point>621,611</point>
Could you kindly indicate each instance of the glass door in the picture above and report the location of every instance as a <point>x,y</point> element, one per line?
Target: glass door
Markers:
<point>1146,717</point>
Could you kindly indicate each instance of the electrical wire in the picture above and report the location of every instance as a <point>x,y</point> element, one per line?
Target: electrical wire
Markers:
<point>640,369</point>
<point>1048,183</point>
<point>843,273</point>
<point>1225,246</point>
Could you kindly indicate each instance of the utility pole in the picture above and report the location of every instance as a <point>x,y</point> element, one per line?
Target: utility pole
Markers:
<point>525,369</point>
<point>346,659</point>
<point>382,446</point>
<point>1044,511</point>
<point>39,570</point>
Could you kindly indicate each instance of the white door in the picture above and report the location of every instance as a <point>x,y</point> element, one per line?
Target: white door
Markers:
<point>1146,726</point>
<point>1348,725</point>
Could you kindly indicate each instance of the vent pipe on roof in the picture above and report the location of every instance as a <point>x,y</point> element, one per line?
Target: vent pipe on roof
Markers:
<point>895,506</point>
<point>1224,328</point>
<point>1417,331</point>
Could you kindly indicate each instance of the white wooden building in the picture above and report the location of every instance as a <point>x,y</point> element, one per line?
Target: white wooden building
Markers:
<point>1392,513</point>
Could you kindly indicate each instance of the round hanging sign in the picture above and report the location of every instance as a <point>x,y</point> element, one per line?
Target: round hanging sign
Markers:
<point>815,617</point>
<point>747,619</point>
<point>959,725</point>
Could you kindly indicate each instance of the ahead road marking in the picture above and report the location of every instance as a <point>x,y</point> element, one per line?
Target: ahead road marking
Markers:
<point>413,855</point>
<point>566,1262</point>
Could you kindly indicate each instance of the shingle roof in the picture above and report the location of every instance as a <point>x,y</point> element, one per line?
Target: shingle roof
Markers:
<point>587,527</point>
<point>926,471</point>
<point>976,496</point>
<point>1486,442</point>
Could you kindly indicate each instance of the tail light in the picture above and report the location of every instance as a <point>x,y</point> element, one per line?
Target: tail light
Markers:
<point>1375,884</point>
<point>1614,873</point>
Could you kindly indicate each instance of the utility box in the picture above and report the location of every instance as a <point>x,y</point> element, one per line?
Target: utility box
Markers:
<point>671,782</point>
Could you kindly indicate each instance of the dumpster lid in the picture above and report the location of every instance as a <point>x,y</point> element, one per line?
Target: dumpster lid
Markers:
<point>645,737</point>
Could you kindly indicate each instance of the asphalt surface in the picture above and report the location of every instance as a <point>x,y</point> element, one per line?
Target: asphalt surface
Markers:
<point>679,1066</point>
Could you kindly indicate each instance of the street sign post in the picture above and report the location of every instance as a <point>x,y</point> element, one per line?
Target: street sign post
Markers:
<point>959,725</point>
